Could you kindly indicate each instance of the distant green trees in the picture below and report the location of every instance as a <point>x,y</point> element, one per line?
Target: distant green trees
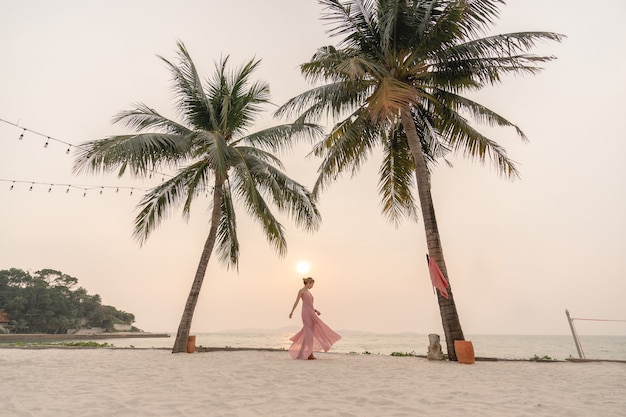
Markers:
<point>49,301</point>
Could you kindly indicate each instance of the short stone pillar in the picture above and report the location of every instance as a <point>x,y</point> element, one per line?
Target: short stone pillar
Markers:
<point>434,348</point>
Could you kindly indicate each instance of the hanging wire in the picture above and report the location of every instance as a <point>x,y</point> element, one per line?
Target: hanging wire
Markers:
<point>68,144</point>
<point>83,188</point>
<point>580,318</point>
<point>207,190</point>
<point>48,138</point>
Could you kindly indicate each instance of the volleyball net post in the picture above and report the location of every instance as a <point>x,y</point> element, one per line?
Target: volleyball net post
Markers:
<point>579,347</point>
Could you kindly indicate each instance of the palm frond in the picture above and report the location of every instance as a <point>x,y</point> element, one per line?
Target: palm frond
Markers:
<point>160,201</point>
<point>346,148</point>
<point>193,104</point>
<point>397,179</point>
<point>227,240</point>
<point>355,19</point>
<point>244,183</point>
<point>289,196</point>
<point>141,153</point>
<point>478,112</point>
<point>485,60</point>
<point>463,138</point>
<point>330,100</point>
<point>143,117</point>
<point>281,137</point>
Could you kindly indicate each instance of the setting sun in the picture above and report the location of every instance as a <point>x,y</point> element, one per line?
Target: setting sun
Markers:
<point>303,267</point>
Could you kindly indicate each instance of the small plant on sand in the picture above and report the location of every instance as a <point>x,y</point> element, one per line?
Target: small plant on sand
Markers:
<point>403,354</point>
<point>544,358</point>
<point>85,344</point>
<point>90,344</point>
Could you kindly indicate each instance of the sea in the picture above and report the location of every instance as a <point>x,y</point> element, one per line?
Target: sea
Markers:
<point>512,347</point>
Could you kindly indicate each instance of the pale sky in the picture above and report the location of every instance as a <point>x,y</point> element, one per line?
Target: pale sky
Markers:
<point>518,253</point>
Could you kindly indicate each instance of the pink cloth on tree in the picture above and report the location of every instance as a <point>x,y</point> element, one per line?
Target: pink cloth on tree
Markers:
<point>437,278</point>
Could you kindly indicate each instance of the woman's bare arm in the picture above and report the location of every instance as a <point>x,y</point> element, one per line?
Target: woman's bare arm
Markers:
<point>298,297</point>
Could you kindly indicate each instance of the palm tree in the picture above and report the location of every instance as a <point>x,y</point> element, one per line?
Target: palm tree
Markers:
<point>212,153</point>
<point>396,80</point>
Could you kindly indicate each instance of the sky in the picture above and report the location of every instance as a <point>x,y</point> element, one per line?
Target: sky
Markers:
<point>518,253</point>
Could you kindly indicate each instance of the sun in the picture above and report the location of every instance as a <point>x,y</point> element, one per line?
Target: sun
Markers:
<point>303,267</point>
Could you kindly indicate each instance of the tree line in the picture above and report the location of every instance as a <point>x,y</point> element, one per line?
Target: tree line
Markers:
<point>50,301</point>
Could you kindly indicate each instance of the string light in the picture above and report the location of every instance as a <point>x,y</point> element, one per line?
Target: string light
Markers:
<point>68,144</point>
<point>85,189</point>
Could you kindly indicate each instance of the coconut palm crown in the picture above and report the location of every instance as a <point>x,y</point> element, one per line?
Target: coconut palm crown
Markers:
<point>398,80</point>
<point>211,152</point>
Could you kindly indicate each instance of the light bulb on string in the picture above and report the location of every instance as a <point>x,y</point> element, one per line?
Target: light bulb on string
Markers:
<point>68,150</point>
<point>50,189</point>
<point>12,185</point>
<point>31,187</point>
<point>22,135</point>
<point>85,192</point>
<point>47,142</point>
<point>68,189</point>
<point>131,191</point>
<point>101,189</point>
<point>117,190</point>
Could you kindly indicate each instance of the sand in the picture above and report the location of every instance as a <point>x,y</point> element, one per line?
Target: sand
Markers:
<point>149,382</point>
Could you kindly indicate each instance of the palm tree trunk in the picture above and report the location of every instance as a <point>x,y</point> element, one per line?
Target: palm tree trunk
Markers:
<point>447,308</point>
<point>180,344</point>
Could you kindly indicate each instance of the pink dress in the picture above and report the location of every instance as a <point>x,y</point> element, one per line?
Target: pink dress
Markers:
<point>314,336</point>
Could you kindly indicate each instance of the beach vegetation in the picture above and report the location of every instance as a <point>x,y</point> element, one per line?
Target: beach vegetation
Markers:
<point>85,344</point>
<point>399,80</point>
<point>544,358</point>
<point>403,354</point>
<point>210,152</point>
<point>89,343</point>
<point>49,301</point>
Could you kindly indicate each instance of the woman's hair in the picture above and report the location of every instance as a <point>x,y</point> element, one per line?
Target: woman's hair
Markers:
<point>307,280</point>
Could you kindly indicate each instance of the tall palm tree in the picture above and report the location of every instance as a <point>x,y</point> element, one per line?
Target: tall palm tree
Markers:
<point>211,152</point>
<point>396,80</point>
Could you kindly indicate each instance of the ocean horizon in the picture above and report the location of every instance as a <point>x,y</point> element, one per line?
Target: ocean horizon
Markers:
<point>557,347</point>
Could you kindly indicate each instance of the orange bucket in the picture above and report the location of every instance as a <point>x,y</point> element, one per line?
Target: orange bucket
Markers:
<point>191,344</point>
<point>464,351</point>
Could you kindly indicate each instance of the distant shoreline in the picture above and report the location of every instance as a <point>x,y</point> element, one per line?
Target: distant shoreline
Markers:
<point>42,337</point>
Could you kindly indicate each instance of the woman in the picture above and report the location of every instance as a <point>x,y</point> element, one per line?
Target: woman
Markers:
<point>315,335</point>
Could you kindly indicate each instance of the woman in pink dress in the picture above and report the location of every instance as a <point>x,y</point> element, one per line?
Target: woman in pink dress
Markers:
<point>315,335</point>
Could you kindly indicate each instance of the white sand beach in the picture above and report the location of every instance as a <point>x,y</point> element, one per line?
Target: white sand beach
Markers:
<point>138,382</point>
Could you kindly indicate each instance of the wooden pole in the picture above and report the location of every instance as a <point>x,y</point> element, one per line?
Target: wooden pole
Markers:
<point>579,347</point>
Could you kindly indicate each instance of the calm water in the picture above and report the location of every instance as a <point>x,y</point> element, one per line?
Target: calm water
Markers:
<point>495,346</point>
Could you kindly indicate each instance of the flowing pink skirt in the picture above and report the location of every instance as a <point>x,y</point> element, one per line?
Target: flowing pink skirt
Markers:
<point>314,336</point>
